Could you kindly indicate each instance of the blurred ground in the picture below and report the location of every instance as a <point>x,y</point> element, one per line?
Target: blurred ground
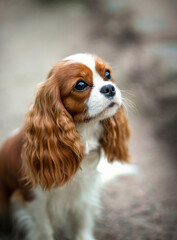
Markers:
<point>139,40</point>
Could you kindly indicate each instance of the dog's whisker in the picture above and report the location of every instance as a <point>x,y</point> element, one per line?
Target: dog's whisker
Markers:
<point>127,92</point>
<point>129,105</point>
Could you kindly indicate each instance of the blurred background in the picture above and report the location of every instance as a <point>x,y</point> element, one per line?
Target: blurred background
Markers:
<point>139,40</point>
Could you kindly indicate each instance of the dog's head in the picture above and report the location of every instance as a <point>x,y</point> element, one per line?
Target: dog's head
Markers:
<point>79,89</point>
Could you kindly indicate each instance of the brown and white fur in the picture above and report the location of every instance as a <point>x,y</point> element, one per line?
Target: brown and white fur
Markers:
<point>48,170</point>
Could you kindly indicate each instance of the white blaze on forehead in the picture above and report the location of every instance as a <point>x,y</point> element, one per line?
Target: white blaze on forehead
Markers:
<point>84,58</point>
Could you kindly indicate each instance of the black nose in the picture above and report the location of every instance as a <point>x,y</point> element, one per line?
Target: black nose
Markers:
<point>108,90</point>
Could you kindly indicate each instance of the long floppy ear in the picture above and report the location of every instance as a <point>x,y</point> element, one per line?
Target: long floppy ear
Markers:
<point>52,150</point>
<point>115,137</point>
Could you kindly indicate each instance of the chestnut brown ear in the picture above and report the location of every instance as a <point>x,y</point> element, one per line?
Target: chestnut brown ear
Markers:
<point>115,137</point>
<point>52,150</point>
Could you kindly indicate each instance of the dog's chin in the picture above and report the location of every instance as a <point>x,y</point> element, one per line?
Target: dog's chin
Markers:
<point>107,112</point>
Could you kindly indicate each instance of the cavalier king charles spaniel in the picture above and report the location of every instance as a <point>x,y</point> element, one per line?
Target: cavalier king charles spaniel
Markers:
<point>48,170</point>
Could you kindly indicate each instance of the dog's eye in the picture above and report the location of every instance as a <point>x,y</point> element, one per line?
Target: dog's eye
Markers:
<point>81,86</point>
<point>107,75</point>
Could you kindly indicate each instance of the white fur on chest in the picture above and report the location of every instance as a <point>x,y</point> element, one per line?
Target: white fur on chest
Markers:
<point>83,189</point>
<point>90,135</point>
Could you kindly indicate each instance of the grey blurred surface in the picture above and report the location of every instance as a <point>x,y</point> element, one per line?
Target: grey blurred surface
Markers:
<point>139,40</point>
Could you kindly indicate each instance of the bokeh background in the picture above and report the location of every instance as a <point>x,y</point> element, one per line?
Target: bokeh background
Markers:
<point>139,40</point>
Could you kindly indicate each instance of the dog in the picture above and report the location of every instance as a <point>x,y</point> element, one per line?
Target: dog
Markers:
<point>48,169</point>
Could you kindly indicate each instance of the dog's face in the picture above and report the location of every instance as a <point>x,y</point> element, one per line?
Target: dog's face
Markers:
<point>87,88</point>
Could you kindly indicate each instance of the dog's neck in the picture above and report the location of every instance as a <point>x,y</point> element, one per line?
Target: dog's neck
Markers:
<point>90,135</point>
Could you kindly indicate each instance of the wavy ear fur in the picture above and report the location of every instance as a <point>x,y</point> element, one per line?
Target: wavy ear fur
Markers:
<point>52,150</point>
<point>115,137</point>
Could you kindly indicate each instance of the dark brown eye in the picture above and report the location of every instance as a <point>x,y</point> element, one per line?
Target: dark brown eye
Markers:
<point>107,75</point>
<point>81,86</point>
